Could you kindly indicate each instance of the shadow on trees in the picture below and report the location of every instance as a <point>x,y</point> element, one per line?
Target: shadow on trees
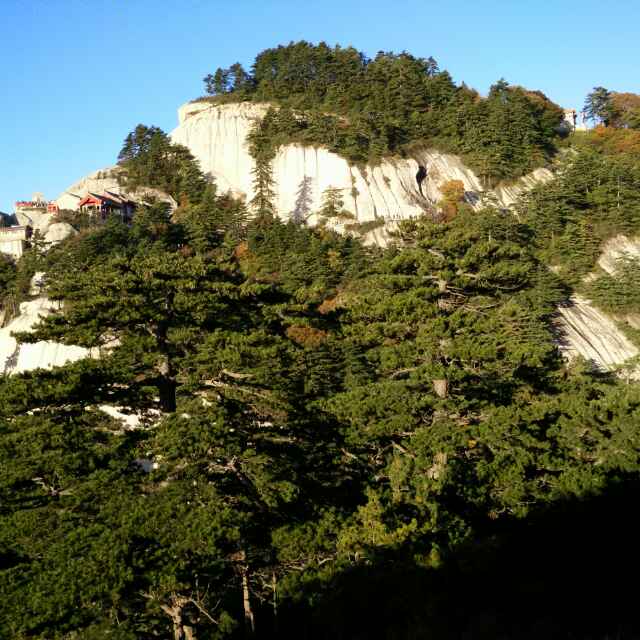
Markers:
<point>570,573</point>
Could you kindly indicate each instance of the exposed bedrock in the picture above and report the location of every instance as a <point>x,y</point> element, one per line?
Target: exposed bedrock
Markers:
<point>217,136</point>
<point>18,358</point>
<point>107,180</point>
<point>589,332</point>
<point>592,334</point>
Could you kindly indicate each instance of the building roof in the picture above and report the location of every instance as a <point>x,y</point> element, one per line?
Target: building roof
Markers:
<point>31,204</point>
<point>107,198</point>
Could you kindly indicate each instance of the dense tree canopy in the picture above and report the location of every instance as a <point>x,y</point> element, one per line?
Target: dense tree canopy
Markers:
<point>365,109</point>
<point>327,439</point>
<point>611,108</point>
<point>307,408</point>
<point>149,158</point>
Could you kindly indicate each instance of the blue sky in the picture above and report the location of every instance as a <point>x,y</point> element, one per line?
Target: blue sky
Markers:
<point>77,75</point>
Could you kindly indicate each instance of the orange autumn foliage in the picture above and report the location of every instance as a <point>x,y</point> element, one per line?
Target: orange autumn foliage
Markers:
<point>241,250</point>
<point>452,196</point>
<point>626,109</point>
<point>612,141</point>
<point>306,336</point>
<point>328,305</point>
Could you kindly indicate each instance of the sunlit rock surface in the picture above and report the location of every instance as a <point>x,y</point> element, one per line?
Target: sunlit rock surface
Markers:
<point>586,331</point>
<point>619,246</point>
<point>57,232</point>
<point>97,182</point>
<point>127,418</point>
<point>217,136</point>
<point>15,358</point>
<point>592,334</point>
<point>107,180</point>
<point>45,225</point>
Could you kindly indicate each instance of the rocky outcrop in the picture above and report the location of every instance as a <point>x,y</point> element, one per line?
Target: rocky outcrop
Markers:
<point>217,136</point>
<point>618,247</point>
<point>97,182</point>
<point>388,192</point>
<point>17,358</point>
<point>589,332</point>
<point>586,331</point>
<point>57,232</point>
<point>107,180</point>
<point>44,223</point>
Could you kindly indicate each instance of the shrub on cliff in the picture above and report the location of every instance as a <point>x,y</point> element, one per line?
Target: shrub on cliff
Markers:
<point>150,159</point>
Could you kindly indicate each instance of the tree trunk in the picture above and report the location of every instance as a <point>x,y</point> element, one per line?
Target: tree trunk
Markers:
<point>175,613</point>
<point>249,621</point>
<point>166,373</point>
<point>167,392</point>
<point>181,631</point>
<point>274,586</point>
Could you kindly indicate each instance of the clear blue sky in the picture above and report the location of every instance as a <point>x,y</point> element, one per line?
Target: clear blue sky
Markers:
<point>77,75</point>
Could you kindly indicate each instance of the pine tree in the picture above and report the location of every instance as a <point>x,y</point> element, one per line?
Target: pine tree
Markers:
<point>598,106</point>
<point>333,207</point>
<point>262,202</point>
<point>304,198</point>
<point>218,83</point>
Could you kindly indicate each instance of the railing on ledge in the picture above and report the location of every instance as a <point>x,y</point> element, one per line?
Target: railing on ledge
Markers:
<point>14,233</point>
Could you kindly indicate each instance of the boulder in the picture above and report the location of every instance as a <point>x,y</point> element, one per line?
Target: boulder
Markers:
<point>58,231</point>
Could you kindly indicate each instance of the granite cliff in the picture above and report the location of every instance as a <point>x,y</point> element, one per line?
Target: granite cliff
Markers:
<point>589,332</point>
<point>389,191</point>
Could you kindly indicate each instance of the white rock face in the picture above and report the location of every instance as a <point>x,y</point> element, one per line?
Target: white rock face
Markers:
<point>191,108</point>
<point>126,418</point>
<point>107,180</point>
<point>16,358</point>
<point>615,248</point>
<point>585,330</point>
<point>37,284</point>
<point>44,223</point>
<point>58,231</point>
<point>590,333</point>
<point>12,241</point>
<point>217,137</point>
<point>97,182</point>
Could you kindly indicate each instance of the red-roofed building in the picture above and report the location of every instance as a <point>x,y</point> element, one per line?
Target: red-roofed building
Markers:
<point>106,204</point>
<point>37,204</point>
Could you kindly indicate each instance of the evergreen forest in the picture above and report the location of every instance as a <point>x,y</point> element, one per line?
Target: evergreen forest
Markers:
<point>332,440</point>
<point>365,109</point>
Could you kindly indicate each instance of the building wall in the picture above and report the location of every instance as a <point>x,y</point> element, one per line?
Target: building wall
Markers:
<point>12,247</point>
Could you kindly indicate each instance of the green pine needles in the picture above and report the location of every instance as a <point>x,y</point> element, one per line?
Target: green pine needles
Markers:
<point>366,109</point>
<point>327,439</point>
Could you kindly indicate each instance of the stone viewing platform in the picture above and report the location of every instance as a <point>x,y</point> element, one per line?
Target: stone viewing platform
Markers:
<point>13,240</point>
<point>16,230</point>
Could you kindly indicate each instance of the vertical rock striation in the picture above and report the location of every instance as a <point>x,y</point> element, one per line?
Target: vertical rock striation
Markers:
<point>389,191</point>
<point>589,332</point>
